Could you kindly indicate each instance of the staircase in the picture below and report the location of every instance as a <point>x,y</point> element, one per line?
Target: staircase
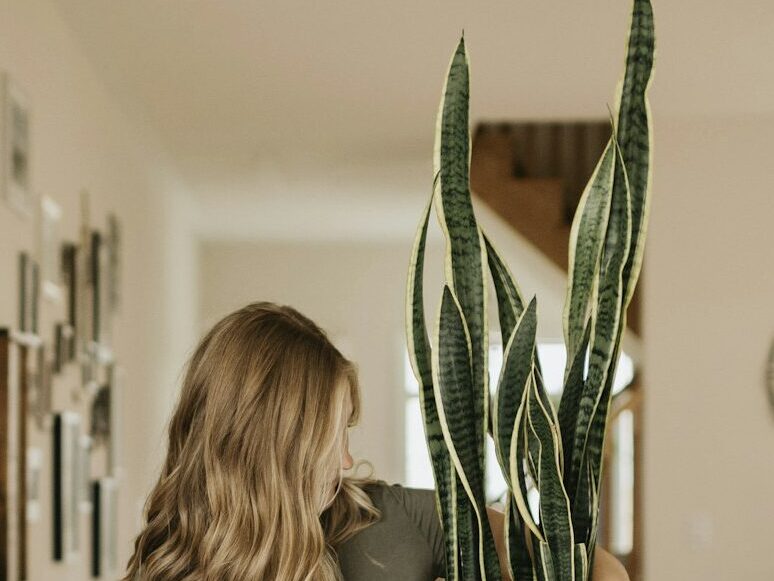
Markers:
<point>533,174</point>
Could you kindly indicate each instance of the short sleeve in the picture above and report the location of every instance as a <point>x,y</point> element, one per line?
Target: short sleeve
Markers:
<point>421,508</point>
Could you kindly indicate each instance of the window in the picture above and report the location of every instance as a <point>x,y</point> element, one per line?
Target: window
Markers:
<point>552,356</point>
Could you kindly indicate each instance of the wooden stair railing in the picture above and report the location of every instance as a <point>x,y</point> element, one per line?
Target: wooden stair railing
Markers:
<point>533,174</point>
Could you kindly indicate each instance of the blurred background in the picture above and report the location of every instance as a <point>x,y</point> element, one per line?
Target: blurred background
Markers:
<point>227,152</point>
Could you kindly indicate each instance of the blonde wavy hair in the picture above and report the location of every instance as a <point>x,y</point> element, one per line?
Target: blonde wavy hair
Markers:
<point>253,487</point>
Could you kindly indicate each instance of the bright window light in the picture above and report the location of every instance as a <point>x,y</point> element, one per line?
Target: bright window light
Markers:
<point>552,356</point>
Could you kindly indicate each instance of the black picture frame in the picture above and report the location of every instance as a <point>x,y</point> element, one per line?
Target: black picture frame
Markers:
<point>96,529</point>
<point>57,501</point>
<point>66,474</point>
<point>104,515</point>
<point>95,276</point>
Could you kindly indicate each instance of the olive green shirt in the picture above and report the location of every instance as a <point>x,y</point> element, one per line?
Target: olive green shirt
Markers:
<point>406,544</point>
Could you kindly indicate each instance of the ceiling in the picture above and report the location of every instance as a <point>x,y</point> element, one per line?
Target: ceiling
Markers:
<point>248,94</point>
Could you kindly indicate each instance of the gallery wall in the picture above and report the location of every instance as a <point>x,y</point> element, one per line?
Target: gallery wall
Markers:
<point>80,140</point>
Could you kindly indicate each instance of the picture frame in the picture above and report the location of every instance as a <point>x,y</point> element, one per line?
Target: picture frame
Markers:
<point>84,474</point>
<point>13,526</point>
<point>100,276</point>
<point>115,443</point>
<point>100,423</point>
<point>49,243</point>
<point>66,471</point>
<point>104,529</point>
<point>70,280</point>
<point>34,483</point>
<point>115,251</point>
<point>29,288</point>
<point>39,383</point>
<point>15,147</point>
<point>84,283</point>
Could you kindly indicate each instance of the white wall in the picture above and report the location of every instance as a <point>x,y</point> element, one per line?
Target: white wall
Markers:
<point>708,324</point>
<point>80,139</point>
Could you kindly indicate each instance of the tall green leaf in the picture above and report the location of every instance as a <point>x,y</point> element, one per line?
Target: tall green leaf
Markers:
<point>568,409</point>
<point>606,317</point>
<point>633,136</point>
<point>586,238</point>
<point>635,130</point>
<point>555,516</point>
<point>519,561</point>
<point>420,357</point>
<point>510,302</point>
<point>465,259</point>
<point>514,377</point>
<point>454,400</point>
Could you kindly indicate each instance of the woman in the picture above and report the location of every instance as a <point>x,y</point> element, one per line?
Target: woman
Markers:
<point>253,487</point>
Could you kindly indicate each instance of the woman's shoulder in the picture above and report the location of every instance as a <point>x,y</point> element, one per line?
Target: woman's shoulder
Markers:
<point>405,508</point>
<point>396,494</point>
<point>418,505</point>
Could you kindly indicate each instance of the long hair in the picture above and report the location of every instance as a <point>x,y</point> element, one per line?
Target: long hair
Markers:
<point>252,487</point>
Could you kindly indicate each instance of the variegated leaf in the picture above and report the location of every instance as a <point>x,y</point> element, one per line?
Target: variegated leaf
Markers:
<point>465,259</point>
<point>635,131</point>
<point>420,357</point>
<point>555,516</point>
<point>606,332</point>
<point>514,375</point>
<point>586,238</point>
<point>454,400</point>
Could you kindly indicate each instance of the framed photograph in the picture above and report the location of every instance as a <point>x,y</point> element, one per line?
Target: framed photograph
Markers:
<point>39,377</point>
<point>34,471</point>
<point>68,270</point>
<point>84,282</point>
<point>104,528</point>
<point>15,147</point>
<point>50,242</point>
<point>114,262</point>
<point>100,416</point>
<point>66,481</point>
<point>100,291</point>
<point>84,474</point>
<point>12,459</point>
<point>69,275</point>
<point>60,348</point>
<point>29,286</point>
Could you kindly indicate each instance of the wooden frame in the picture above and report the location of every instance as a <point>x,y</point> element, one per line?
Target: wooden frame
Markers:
<point>13,443</point>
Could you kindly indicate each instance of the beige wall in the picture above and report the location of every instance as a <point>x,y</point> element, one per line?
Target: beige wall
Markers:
<point>709,320</point>
<point>80,139</point>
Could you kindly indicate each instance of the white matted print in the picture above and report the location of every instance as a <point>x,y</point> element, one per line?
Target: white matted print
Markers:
<point>50,249</point>
<point>34,472</point>
<point>15,149</point>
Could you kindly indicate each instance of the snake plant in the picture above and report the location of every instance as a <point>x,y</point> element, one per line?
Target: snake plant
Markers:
<point>560,451</point>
